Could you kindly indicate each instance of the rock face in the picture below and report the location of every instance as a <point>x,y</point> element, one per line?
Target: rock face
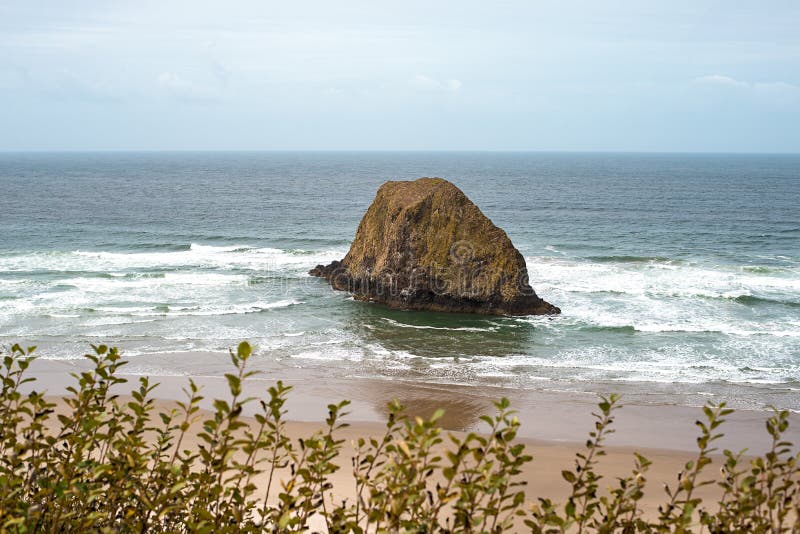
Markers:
<point>423,245</point>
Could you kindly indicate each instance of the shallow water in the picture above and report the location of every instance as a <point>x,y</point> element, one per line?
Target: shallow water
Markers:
<point>675,273</point>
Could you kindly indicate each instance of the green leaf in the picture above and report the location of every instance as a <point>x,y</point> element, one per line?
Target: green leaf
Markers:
<point>437,415</point>
<point>244,350</point>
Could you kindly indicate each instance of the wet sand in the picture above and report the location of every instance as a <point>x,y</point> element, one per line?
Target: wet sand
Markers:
<point>546,416</point>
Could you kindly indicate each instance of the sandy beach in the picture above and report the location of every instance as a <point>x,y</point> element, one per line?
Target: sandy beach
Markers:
<point>542,475</point>
<point>546,416</point>
<point>553,426</point>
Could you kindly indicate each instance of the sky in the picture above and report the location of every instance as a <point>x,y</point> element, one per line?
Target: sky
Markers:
<point>564,75</point>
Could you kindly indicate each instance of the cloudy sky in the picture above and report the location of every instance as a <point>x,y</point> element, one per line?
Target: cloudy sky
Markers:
<point>621,75</point>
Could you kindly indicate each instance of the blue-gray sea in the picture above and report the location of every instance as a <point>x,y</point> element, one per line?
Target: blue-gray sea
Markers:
<point>677,275</point>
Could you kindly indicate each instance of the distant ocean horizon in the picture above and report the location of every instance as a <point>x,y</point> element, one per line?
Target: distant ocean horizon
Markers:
<point>678,275</point>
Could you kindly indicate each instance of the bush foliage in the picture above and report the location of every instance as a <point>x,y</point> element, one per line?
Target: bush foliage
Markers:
<point>120,464</point>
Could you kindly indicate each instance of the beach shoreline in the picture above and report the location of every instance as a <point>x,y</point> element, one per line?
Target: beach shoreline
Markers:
<point>547,417</point>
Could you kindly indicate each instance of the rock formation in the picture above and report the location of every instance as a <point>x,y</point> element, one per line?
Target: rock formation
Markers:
<point>423,245</point>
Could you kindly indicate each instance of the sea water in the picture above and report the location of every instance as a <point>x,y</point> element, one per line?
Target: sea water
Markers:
<point>677,274</point>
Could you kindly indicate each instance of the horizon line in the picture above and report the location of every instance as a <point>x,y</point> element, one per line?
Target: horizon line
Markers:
<point>390,151</point>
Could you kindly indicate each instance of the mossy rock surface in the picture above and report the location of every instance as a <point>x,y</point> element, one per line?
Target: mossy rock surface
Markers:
<point>423,245</point>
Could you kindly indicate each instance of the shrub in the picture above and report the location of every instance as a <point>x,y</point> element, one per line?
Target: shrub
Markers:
<point>119,464</point>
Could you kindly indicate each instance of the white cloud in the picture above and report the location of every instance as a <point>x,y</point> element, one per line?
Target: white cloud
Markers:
<point>426,82</point>
<point>720,80</point>
<point>180,87</point>
<point>420,80</point>
<point>770,92</point>
<point>454,85</point>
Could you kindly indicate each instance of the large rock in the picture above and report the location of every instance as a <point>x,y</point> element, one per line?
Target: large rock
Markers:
<point>423,245</point>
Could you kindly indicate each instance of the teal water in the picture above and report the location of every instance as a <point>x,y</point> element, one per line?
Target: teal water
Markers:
<point>674,272</point>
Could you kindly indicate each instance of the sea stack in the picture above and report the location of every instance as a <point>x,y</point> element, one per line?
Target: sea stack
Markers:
<point>423,245</point>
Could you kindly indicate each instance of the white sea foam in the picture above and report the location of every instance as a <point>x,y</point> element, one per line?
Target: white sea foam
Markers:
<point>203,298</point>
<point>230,309</point>
<point>201,281</point>
<point>689,298</point>
<point>197,256</point>
<point>657,279</point>
<point>429,327</point>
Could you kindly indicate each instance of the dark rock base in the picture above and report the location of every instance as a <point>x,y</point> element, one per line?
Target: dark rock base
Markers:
<point>419,293</point>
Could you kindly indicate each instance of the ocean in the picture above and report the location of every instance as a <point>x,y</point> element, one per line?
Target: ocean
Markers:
<point>678,275</point>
